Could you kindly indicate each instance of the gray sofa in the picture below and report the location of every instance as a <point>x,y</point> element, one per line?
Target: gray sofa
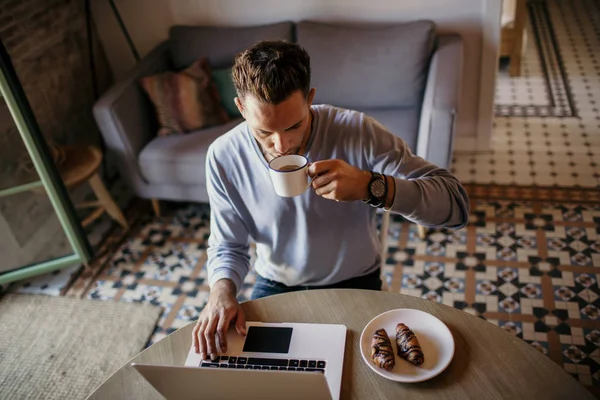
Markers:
<point>405,75</point>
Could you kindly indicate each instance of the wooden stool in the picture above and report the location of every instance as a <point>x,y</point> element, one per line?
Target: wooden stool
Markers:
<point>81,164</point>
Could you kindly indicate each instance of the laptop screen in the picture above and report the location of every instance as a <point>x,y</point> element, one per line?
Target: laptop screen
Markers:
<point>266,339</point>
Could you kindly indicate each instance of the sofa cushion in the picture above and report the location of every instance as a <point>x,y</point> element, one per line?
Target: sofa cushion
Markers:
<point>402,122</point>
<point>222,78</point>
<point>368,65</point>
<point>180,160</point>
<point>185,101</point>
<point>220,44</point>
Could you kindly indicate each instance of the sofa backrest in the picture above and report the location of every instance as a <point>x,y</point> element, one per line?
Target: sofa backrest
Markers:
<point>365,66</point>
<point>220,44</point>
<point>368,66</point>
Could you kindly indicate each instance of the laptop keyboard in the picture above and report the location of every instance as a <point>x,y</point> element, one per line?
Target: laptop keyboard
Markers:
<point>274,364</point>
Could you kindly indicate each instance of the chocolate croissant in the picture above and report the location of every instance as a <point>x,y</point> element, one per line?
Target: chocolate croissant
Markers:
<point>408,345</point>
<point>382,353</point>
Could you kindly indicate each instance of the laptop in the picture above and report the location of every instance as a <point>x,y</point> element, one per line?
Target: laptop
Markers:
<point>273,361</point>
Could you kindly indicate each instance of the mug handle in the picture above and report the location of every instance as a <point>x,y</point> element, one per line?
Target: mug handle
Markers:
<point>309,182</point>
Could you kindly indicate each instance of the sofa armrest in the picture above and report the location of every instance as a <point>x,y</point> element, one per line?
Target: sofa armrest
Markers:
<point>440,103</point>
<point>126,117</point>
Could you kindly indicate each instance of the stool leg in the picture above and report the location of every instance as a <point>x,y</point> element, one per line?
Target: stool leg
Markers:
<point>107,201</point>
<point>156,207</point>
<point>519,23</point>
<point>422,231</point>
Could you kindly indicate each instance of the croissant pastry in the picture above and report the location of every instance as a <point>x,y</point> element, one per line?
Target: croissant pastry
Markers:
<point>382,353</point>
<point>408,345</point>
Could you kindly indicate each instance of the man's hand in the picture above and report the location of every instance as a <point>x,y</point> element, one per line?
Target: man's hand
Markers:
<point>339,181</point>
<point>222,307</point>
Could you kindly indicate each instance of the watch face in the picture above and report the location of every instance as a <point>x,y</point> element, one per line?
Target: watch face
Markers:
<point>377,188</point>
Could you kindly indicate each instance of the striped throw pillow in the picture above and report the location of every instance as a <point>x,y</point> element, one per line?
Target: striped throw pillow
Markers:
<point>185,101</point>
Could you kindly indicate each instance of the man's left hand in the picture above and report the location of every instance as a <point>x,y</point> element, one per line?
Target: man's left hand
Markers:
<point>337,180</point>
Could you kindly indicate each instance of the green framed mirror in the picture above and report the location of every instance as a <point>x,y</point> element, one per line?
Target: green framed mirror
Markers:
<point>39,228</point>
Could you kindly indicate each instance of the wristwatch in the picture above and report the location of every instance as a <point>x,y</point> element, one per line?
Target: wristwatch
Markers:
<point>377,190</point>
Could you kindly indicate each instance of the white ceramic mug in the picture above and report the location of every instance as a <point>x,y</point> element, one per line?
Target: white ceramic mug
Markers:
<point>293,180</point>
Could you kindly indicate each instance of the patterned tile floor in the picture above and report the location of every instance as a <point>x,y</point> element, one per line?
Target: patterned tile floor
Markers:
<point>54,283</point>
<point>547,126</point>
<point>528,262</point>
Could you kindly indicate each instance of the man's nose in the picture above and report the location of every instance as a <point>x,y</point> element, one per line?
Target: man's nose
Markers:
<point>279,143</point>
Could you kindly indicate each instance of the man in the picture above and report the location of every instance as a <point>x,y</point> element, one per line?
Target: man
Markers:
<point>327,236</point>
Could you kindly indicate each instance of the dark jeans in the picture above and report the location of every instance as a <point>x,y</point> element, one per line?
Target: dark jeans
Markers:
<point>266,287</point>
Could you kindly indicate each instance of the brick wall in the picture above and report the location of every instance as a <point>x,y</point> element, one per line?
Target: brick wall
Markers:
<point>47,41</point>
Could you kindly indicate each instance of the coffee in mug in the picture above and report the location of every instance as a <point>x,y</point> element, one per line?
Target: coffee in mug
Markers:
<point>288,168</point>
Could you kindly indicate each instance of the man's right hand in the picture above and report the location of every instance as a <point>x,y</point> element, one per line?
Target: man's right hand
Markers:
<point>222,307</point>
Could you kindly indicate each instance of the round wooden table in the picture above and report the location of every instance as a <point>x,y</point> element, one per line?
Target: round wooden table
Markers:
<point>489,363</point>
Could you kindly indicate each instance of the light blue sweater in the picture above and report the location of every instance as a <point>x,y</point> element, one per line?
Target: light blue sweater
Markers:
<point>309,240</point>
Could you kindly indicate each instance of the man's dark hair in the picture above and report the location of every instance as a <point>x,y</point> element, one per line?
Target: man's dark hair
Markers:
<point>271,71</point>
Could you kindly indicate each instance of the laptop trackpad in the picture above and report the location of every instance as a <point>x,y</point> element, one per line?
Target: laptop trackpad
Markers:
<point>268,339</point>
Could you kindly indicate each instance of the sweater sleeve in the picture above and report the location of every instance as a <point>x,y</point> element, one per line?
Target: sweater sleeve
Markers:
<point>228,249</point>
<point>425,193</point>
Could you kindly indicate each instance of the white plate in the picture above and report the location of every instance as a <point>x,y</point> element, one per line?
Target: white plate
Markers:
<point>434,337</point>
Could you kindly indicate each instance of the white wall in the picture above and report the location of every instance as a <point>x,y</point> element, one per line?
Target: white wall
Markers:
<point>147,21</point>
<point>476,20</point>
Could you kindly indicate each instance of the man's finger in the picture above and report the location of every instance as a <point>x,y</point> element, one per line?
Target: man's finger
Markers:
<point>327,190</point>
<point>201,340</point>
<point>222,327</point>
<point>320,167</point>
<point>195,337</point>
<point>322,180</point>
<point>240,322</point>
<point>209,335</point>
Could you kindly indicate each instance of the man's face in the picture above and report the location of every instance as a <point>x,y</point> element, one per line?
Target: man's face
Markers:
<point>279,129</point>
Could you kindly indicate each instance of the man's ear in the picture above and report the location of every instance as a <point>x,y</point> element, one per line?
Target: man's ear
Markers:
<point>239,105</point>
<point>311,96</point>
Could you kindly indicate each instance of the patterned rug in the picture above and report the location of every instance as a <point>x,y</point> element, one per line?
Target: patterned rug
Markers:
<point>56,348</point>
<point>527,262</point>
